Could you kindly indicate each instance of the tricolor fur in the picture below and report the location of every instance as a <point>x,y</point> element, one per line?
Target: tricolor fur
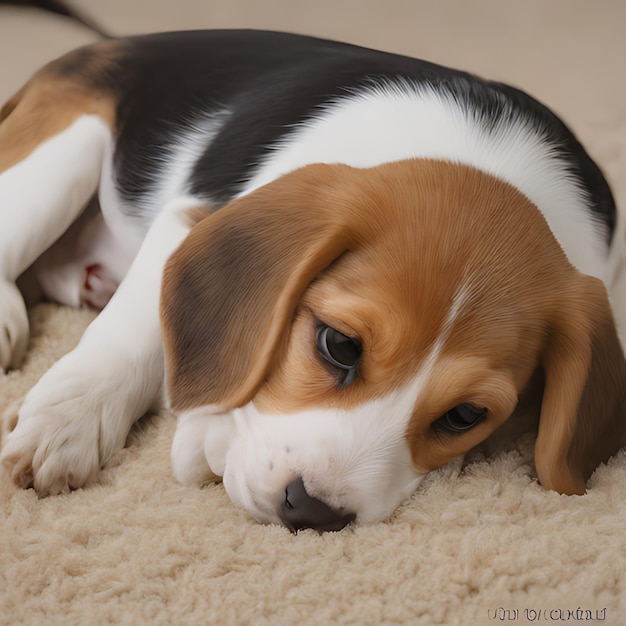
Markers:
<point>264,187</point>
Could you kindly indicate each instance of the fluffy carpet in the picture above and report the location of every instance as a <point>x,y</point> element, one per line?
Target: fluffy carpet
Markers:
<point>476,545</point>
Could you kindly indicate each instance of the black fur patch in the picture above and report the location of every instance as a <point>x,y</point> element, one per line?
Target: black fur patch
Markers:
<point>273,81</point>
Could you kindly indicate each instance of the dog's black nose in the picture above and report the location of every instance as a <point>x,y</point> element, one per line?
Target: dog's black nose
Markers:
<point>300,510</point>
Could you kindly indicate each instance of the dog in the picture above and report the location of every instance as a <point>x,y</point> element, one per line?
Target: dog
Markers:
<point>345,267</point>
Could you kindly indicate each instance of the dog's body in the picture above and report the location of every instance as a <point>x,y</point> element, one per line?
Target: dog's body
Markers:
<point>369,282</point>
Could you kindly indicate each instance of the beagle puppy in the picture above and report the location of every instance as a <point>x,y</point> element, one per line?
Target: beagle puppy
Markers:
<point>349,267</point>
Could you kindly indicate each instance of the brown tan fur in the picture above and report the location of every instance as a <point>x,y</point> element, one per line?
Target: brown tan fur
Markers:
<point>381,255</point>
<point>79,81</point>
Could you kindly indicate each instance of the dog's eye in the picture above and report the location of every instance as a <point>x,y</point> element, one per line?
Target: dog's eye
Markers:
<point>461,418</point>
<point>339,350</point>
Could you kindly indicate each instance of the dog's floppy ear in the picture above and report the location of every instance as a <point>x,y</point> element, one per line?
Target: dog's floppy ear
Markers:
<point>583,412</point>
<point>231,288</point>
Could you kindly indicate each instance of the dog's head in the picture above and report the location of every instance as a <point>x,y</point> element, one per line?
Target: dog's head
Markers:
<point>349,330</point>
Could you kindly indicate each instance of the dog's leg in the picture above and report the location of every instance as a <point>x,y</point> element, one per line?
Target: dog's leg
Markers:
<point>51,148</point>
<point>40,197</point>
<point>80,412</point>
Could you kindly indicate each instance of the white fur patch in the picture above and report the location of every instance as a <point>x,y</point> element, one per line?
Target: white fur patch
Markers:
<point>356,460</point>
<point>183,156</point>
<point>44,193</point>
<point>402,120</point>
<point>40,196</point>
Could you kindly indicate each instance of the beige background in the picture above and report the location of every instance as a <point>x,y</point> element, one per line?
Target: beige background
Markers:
<point>138,548</point>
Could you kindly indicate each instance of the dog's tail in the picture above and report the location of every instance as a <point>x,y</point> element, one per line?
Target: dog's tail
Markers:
<point>60,8</point>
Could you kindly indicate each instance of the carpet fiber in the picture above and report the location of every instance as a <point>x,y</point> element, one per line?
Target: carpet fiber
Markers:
<point>476,545</point>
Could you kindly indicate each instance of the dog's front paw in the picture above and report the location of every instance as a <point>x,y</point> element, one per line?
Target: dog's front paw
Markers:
<point>13,326</point>
<point>69,425</point>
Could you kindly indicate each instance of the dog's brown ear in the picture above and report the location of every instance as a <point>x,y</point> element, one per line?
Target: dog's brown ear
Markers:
<point>231,288</point>
<point>583,413</point>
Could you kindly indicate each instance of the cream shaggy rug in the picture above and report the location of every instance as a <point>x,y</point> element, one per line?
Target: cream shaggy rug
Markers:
<point>480,546</point>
